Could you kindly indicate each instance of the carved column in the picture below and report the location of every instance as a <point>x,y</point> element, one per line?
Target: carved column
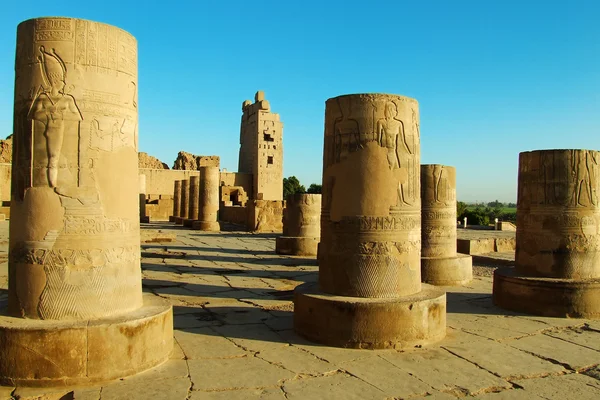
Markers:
<point>194,198</point>
<point>370,293</point>
<point>184,203</point>
<point>301,229</point>
<point>176,201</point>
<point>440,263</point>
<point>557,259</point>
<point>75,296</point>
<point>143,217</point>
<point>208,210</point>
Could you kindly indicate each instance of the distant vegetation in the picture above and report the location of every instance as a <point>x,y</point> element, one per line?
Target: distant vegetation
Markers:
<point>485,214</point>
<point>292,185</point>
<point>477,213</point>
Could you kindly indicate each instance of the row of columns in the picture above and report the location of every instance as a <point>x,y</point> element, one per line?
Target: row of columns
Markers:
<point>196,200</point>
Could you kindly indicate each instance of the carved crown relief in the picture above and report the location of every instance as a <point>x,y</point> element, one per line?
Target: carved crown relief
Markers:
<point>65,110</point>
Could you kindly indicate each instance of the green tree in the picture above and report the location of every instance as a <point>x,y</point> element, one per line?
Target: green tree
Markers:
<point>461,208</point>
<point>292,185</point>
<point>314,189</point>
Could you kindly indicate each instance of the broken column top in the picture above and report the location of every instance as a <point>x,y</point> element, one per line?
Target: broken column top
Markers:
<point>260,103</point>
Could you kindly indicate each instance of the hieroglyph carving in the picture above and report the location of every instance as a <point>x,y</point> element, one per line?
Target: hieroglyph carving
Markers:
<point>570,181</point>
<point>381,124</point>
<point>54,109</point>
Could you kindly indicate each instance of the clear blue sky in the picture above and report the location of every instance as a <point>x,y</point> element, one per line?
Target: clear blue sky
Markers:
<point>493,78</point>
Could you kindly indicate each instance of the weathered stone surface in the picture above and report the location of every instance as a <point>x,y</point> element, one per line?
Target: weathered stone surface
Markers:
<point>6,149</point>
<point>184,201</point>
<point>261,148</point>
<point>369,254</point>
<point>205,343</point>
<point>75,298</point>
<point>386,377</point>
<point>236,373</point>
<point>255,278</point>
<point>301,225</point>
<point>370,323</point>
<point>339,385</point>
<point>147,161</point>
<point>176,201</point>
<point>188,161</point>
<point>208,208</point>
<point>492,355</point>
<point>572,386</point>
<point>447,373</point>
<point>568,354</point>
<point>265,216</point>
<point>440,264</point>
<point>241,394</point>
<point>557,258</point>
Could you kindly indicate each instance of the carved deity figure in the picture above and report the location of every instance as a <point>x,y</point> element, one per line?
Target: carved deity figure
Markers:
<point>438,171</point>
<point>345,130</point>
<point>582,165</point>
<point>53,108</point>
<point>390,130</point>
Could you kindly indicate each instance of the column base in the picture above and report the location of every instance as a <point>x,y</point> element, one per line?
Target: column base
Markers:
<point>213,226</point>
<point>548,297</point>
<point>178,220</point>
<point>43,353</point>
<point>370,323</point>
<point>172,218</point>
<point>188,222</point>
<point>296,246</point>
<point>447,271</point>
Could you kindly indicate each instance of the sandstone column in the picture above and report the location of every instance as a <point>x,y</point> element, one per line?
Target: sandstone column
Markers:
<point>208,209</point>
<point>557,258</point>
<point>369,293</point>
<point>76,313</point>
<point>143,216</point>
<point>194,198</point>
<point>184,203</point>
<point>301,229</point>
<point>440,263</point>
<point>176,201</point>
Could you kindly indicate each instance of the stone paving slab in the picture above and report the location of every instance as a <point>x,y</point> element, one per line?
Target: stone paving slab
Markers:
<point>234,338</point>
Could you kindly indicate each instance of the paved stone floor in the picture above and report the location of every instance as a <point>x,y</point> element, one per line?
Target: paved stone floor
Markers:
<point>231,298</point>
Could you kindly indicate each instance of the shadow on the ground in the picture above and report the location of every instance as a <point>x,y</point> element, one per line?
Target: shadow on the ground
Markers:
<point>271,271</point>
<point>238,235</point>
<point>474,303</point>
<point>167,248</point>
<point>286,261</point>
<point>254,324</point>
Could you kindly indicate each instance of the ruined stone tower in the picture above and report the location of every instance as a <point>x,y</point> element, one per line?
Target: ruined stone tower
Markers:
<point>261,148</point>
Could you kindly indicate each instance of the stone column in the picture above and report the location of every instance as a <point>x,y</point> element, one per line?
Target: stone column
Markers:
<point>369,293</point>
<point>208,210</point>
<point>557,258</point>
<point>184,203</point>
<point>301,225</point>
<point>176,201</point>
<point>440,263</point>
<point>76,313</point>
<point>194,198</point>
<point>143,217</point>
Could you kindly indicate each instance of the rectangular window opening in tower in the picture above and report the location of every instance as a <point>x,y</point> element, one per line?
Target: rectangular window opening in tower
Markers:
<point>269,159</point>
<point>267,137</point>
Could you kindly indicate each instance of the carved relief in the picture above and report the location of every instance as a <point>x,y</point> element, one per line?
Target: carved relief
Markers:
<point>55,110</point>
<point>75,105</point>
<point>559,177</point>
<point>370,221</point>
